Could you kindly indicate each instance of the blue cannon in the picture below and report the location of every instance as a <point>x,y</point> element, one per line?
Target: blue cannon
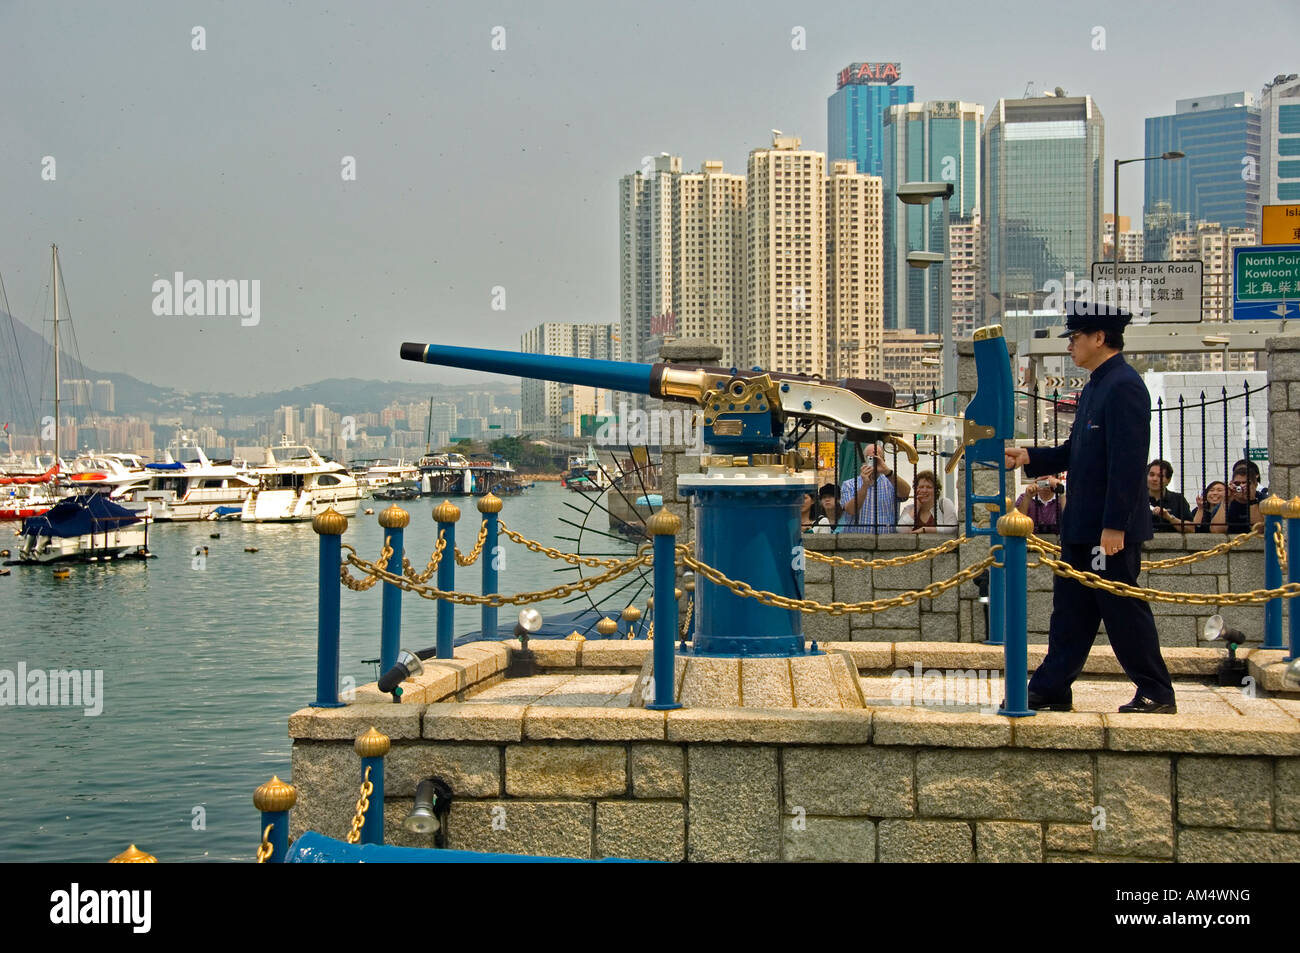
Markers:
<point>752,477</point>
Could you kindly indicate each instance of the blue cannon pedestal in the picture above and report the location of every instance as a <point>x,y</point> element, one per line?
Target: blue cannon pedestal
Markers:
<point>747,527</point>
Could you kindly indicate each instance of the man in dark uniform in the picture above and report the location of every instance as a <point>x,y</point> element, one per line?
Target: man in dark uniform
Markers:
<point>1103,528</point>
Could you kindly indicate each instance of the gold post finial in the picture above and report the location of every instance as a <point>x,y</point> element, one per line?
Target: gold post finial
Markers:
<point>330,523</point>
<point>1272,506</point>
<point>134,855</point>
<point>1015,523</point>
<point>664,523</point>
<point>394,518</point>
<point>372,743</point>
<point>490,503</point>
<point>606,626</point>
<point>631,614</point>
<point>1291,508</point>
<point>446,512</point>
<point>275,795</point>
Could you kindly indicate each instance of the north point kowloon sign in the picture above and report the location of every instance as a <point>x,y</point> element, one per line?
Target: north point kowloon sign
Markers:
<point>859,73</point>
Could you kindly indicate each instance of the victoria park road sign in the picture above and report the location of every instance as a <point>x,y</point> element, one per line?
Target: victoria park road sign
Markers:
<point>1266,282</point>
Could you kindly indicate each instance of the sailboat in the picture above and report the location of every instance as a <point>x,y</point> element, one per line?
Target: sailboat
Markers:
<point>87,527</point>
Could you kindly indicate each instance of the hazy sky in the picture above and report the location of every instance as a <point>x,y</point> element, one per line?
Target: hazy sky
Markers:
<point>475,167</point>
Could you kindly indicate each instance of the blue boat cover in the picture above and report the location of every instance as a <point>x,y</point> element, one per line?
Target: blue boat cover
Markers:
<point>78,516</point>
<point>164,466</point>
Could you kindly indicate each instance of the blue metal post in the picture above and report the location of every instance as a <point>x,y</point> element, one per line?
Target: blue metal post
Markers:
<point>330,526</point>
<point>372,745</point>
<point>1272,510</point>
<point>664,526</point>
<point>1292,514</point>
<point>394,520</point>
<point>274,799</point>
<point>490,507</point>
<point>1013,530</point>
<point>446,513</point>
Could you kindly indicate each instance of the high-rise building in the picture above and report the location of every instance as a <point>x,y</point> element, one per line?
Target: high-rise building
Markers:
<point>1159,224</point>
<point>1279,141</point>
<point>542,412</point>
<point>903,353</point>
<point>1130,241</point>
<point>682,245</point>
<point>1212,245</point>
<point>854,293</point>
<point>77,393</point>
<point>966,255</point>
<point>105,397</point>
<point>1043,192</point>
<point>785,260</point>
<point>1217,180</point>
<point>855,112</point>
<point>935,141</point>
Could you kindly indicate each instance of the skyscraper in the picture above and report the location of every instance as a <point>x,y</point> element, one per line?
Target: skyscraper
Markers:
<point>1043,191</point>
<point>854,294</point>
<point>1218,179</point>
<point>785,259</point>
<point>645,251</point>
<point>934,141</point>
<point>1279,134</point>
<point>855,112</point>
<point>542,402</point>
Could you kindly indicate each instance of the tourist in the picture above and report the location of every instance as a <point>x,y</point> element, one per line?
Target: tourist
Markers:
<point>807,512</point>
<point>1042,502</point>
<point>1211,515</point>
<point>828,499</point>
<point>870,499</point>
<point>1244,496</point>
<point>1169,511</point>
<point>922,514</point>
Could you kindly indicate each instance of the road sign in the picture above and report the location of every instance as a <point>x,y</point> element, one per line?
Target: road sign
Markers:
<point>1281,225</point>
<point>1257,453</point>
<point>1164,291</point>
<point>1266,282</point>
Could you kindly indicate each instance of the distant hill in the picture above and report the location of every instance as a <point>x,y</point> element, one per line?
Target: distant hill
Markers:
<point>34,358</point>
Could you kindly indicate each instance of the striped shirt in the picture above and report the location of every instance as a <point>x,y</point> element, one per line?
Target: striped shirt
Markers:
<point>878,512</point>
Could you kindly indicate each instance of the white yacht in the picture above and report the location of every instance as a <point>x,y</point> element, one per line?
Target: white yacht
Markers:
<point>295,483</point>
<point>120,476</point>
<point>383,472</point>
<point>196,487</point>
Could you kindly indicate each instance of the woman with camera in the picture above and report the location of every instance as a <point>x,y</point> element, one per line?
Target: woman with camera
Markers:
<point>1043,503</point>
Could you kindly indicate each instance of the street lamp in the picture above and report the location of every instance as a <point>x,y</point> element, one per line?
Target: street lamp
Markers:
<point>1114,244</point>
<point>923,193</point>
<point>1218,340</point>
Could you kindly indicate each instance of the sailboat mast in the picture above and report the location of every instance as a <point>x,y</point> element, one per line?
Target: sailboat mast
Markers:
<point>54,280</point>
<point>428,429</point>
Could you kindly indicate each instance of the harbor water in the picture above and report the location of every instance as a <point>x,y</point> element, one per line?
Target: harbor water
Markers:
<point>203,659</point>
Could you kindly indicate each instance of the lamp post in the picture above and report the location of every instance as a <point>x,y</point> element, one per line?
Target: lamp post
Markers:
<point>923,193</point>
<point>1114,244</point>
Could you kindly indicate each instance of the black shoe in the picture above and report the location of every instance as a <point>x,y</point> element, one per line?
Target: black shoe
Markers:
<point>1038,703</point>
<point>1145,706</point>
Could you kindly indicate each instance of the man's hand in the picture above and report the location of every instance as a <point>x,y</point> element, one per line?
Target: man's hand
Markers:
<point>1016,457</point>
<point>1112,541</point>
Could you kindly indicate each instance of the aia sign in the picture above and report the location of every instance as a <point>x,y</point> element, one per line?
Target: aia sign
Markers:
<point>859,73</point>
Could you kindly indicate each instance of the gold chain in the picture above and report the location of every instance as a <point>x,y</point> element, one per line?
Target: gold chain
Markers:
<point>837,608</point>
<point>422,577</point>
<point>930,553</point>
<point>361,585</point>
<point>1258,531</point>
<point>1093,581</point>
<point>363,805</point>
<point>473,553</point>
<point>690,611</point>
<point>495,599</point>
<point>265,849</point>
<point>1280,542</point>
<point>571,558</point>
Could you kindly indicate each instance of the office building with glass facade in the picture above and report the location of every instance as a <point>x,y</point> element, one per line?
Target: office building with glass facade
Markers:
<point>855,113</point>
<point>935,141</point>
<point>1042,194</point>
<point>1279,106</point>
<point>1217,181</point>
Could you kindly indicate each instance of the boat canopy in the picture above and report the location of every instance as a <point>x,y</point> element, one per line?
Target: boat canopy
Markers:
<point>80,516</point>
<point>164,466</point>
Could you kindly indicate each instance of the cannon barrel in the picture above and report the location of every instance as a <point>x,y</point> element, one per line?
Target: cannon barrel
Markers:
<point>589,372</point>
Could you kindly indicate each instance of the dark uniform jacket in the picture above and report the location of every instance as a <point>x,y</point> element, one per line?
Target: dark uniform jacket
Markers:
<point>1106,456</point>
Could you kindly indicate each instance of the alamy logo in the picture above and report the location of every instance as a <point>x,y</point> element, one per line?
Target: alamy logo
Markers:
<point>73,906</point>
<point>216,297</point>
<point>654,428</point>
<point>56,688</point>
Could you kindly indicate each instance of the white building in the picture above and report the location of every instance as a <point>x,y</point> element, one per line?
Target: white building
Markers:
<point>542,412</point>
<point>855,299</point>
<point>1279,141</point>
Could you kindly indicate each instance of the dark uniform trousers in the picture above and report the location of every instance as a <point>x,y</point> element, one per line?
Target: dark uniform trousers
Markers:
<point>1076,611</point>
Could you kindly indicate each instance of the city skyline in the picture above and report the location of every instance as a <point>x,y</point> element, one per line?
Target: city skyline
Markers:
<point>476,168</point>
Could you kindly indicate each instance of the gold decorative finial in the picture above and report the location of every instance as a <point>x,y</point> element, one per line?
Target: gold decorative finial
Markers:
<point>1291,508</point>
<point>607,626</point>
<point>330,523</point>
<point>1015,523</point>
<point>689,585</point>
<point>985,333</point>
<point>631,614</point>
<point>134,855</point>
<point>275,795</point>
<point>373,743</point>
<point>1272,506</point>
<point>489,503</point>
<point>394,518</point>
<point>575,636</point>
<point>663,523</point>
<point>446,512</point>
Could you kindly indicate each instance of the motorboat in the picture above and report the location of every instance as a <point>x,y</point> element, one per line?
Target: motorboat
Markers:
<point>195,487</point>
<point>27,494</point>
<point>119,476</point>
<point>382,472</point>
<point>88,527</point>
<point>294,483</point>
<point>585,474</point>
<point>454,474</point>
